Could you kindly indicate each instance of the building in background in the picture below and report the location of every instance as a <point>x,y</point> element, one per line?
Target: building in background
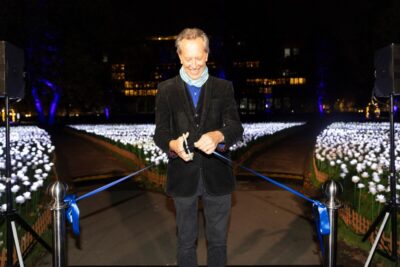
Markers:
<point>267,80</point>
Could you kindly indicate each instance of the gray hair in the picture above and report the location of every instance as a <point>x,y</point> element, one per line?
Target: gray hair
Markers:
<point>191,34</point>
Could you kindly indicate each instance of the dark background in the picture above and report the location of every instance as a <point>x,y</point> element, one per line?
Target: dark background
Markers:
<point>66,40</point>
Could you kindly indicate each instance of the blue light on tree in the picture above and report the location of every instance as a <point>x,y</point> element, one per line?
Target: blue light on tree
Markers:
<point>38,104</point>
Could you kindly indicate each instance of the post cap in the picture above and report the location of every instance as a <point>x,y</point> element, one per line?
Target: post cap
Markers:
<point>332,188</point>
<point>57,191</point>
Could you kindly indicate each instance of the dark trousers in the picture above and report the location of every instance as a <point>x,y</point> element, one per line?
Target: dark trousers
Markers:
<point>216,213</point>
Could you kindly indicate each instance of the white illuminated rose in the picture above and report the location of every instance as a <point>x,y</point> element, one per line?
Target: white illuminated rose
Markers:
<point>15,188</point>
<point>3,207</point>
<point>380,198</point>
<point>380,188</point>
<point>27,195</point>
<point>364,175</point>
<point>20,199</point>
<point>355,179</point>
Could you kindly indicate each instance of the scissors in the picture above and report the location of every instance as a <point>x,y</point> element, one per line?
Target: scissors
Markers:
<point>186,145</point>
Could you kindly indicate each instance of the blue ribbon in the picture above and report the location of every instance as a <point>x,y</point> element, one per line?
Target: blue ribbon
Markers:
<point>72,212</point>
<point>322,221</point>
<point>323,227</point>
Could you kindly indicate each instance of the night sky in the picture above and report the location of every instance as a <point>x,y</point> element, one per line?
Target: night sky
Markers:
<point>117,20</point>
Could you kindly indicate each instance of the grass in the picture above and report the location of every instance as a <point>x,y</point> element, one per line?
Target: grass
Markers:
<point>33,254</point>
<point>354,240</point>
<point>37,252</point>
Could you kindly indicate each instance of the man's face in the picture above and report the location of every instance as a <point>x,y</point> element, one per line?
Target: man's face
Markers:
<point>193,57</point>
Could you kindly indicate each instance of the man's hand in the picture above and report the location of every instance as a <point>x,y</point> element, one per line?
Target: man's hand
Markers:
<point>208,142</point>
<point>177,146</point>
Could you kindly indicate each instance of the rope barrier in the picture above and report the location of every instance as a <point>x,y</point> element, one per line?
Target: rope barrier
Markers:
<point>72,212</point>
<point>322,220</point>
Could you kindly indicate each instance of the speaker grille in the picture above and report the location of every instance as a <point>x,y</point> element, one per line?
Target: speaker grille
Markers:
<point>11,70</point>
<point>2,68</point>
<point>387,71</point>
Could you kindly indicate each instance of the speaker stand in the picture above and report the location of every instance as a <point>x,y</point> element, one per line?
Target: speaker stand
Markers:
<point>390,208</point>
<point>11,215</point>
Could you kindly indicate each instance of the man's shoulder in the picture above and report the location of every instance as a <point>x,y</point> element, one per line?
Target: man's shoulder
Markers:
<point>219,81</point>
<point>168,82</point>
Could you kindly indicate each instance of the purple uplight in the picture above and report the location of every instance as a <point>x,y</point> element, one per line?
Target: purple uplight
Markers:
<point>54,102</point>
<point>38,105</point>
<point>320,108</point>
<point>48,83</point>
<point>320,105</point>
<point>107,112</point>
<point>53,107</point>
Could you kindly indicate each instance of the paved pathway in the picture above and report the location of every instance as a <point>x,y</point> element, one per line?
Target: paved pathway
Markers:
<point>78,159</point>
<point>278,161</point>
<point>287,160</point>
<point>128,226</point>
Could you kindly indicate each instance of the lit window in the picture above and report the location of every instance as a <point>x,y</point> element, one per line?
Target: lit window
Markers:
<point>118,67</point>
<point>268,90</point>
<point>286,52</point>
<point>252,104</point>
<point>118,76</point>
<point>128,84</point>
<point>243,103</point>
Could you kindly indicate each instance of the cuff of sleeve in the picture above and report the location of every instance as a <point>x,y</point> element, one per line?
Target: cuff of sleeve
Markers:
<point>221,147</point>
<point>171,154</point>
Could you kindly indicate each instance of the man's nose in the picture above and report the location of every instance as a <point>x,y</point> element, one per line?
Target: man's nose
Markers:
<point>194,64</point>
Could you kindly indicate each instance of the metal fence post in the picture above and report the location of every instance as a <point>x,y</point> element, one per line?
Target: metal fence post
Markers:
<point>331,190</point>
<point>57,191</point>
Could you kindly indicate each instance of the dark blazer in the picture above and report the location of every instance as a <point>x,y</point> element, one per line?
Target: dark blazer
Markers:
<point>175,115</point>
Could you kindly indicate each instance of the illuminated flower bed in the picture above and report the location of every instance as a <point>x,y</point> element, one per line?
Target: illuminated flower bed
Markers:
<point>358,155</point>
<point>30,149</point>
<point>138,138</point>
<point>31,165</point>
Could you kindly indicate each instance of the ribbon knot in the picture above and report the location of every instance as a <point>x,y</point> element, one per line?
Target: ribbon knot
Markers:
<point>72,213</point>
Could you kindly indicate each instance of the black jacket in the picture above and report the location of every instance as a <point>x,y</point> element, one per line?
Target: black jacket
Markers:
<point>175,115</point>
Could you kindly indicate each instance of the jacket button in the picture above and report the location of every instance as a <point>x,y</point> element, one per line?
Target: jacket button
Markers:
<point>197,125</point>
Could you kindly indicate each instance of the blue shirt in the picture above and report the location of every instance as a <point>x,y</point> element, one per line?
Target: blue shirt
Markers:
<point>194,93</point>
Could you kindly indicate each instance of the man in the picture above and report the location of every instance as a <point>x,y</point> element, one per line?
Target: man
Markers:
<point>201,109</point>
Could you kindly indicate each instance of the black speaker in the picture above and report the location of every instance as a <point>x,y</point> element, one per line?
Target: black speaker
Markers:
<point>12,80</point>
<point>387,71</point>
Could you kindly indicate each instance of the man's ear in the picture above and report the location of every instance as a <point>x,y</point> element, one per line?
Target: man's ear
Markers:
<point>180,59</point>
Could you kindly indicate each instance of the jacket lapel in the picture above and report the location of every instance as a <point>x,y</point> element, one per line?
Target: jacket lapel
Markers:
<point>207,100</point>
<point>183,100</point>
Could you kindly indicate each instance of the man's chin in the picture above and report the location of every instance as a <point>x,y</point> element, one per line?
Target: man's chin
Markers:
<point>194,77</point>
